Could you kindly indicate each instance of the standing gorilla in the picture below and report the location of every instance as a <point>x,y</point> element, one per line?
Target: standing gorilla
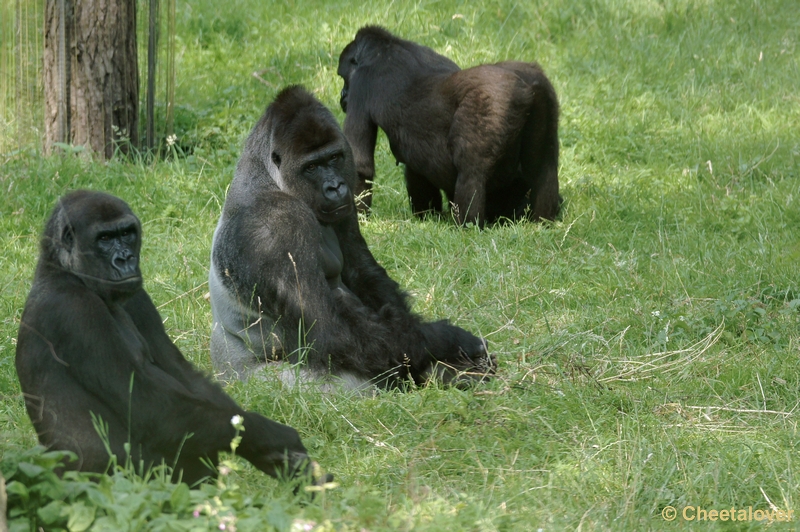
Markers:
<point>292,278</point>
<point>92,345</point>
<point>487,136</point>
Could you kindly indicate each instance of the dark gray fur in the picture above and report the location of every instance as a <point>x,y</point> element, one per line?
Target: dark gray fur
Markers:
<point>91,343</point>
<point>292,278</point>
<point>487,136</point>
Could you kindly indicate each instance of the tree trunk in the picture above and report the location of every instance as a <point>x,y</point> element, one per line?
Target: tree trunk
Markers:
<point>91,75</point>
<point>3,504</point>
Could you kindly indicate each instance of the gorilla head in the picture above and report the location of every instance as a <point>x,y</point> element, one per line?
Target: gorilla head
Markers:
<point>97,237</point>
<point>375,49</point>
<point>347,64</point>
<point>309,158</point>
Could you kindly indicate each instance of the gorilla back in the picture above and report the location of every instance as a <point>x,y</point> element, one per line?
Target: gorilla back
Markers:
<point>292,278</point>
<point>92,348</point>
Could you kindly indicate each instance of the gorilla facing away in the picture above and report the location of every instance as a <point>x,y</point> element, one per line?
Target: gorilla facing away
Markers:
<point>92,345</point>
<point>487,136</point>
<point>292,278</point>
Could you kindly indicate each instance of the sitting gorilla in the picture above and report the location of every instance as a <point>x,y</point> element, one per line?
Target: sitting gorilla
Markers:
<point>92,345</point>
<point>487,136</point>
<point>292,278</point>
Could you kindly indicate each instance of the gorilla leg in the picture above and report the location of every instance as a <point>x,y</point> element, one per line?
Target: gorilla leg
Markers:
<point>508,202</point>
<point>363,195</point>
<point>469,201</point>
<point>539,154</point>
<point>478,141</point>
<point>61,425</point>
<point>425,197</point>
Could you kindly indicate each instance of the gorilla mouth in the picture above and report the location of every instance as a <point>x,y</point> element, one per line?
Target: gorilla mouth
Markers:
<point>126,279</point>
<point>134,277</point>
<point>341,209</point>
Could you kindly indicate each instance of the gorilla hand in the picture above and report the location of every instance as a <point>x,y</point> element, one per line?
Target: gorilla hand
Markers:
<point>457,356</point>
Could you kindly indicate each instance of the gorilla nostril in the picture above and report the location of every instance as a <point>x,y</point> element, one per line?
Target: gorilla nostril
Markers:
<point>124,262</point>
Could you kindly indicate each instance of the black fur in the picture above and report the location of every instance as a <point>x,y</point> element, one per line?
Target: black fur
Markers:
<point>486,136</point>
<point>290,267</point>
<point>91,342</point>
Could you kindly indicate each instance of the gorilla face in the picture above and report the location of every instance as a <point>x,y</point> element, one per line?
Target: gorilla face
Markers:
<point>318,179</point>
<point>115,250</point>
<point>313,162</point>
<point>333,198</point>
<point>97,238</point>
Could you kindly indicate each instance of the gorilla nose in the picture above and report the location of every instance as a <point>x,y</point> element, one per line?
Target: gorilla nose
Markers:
<point>125,263</point>
<point>335,191</point>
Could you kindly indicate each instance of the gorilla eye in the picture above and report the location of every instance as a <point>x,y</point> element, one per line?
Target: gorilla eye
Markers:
<point>104,238</point>
<point>311,167</point>
<point>353,61</point>
<point>276,159</point>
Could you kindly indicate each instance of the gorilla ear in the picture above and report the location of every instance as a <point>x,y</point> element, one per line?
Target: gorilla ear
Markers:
<point>276,159</point>
<point>67,237</point>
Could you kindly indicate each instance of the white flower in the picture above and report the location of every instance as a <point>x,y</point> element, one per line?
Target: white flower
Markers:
<point>236,420</point>
<point>171,139</point>
<point>301,525</point>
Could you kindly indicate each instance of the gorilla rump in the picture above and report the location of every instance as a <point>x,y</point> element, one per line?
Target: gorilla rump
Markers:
<point>487,136</point>
<point>92,348</point>
<point>292,278</point>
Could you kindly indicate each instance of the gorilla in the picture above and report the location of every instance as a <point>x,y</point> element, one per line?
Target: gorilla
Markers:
<point>92,352</point>
<point>292,278</point>
<point>487,136</point>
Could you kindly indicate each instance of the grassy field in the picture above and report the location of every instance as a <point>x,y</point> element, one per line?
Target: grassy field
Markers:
<point>648,341</point>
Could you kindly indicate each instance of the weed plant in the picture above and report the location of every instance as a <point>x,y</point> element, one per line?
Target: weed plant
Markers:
<point>648,340</point>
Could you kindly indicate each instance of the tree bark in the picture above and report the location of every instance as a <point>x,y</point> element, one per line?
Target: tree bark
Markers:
<point>91,75</point>
<point>3,504</point>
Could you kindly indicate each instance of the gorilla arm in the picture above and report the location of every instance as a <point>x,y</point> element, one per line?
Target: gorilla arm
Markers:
<point>290,282</point>
<point>372,285</point>
<point>126,363</point>
<point>368,279</point>
<point>264,441</point>
<point>361,133</point>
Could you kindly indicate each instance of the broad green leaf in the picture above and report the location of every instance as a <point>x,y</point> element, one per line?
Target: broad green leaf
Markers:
<point>30,470</point>
<point>180,497</point>
<point>80,517</point>
<point>51,513</point>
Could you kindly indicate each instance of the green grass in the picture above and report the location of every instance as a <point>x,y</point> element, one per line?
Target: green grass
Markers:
<point>648,341</point>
